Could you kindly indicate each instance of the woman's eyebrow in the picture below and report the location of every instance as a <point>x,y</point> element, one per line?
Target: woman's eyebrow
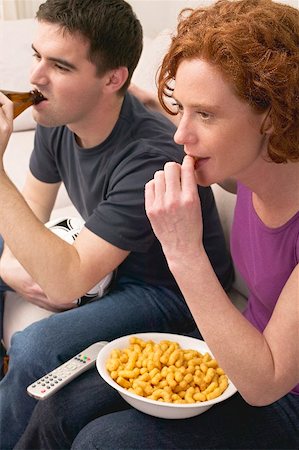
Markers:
<point>61,61</point>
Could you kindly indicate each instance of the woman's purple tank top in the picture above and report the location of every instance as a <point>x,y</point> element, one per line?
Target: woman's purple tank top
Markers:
<point>265,258</point>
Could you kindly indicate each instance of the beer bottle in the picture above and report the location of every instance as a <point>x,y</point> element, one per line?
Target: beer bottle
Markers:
<point>22,100</point>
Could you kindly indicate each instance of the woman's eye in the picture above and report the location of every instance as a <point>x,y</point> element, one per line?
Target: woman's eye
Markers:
<point>36,56</point>
<point>177,107</point>
<point>204,115</point>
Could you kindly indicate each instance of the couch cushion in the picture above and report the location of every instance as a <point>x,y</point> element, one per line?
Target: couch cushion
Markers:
<point>18,314</point>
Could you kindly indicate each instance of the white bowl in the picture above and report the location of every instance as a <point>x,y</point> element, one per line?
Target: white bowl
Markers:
<point>153,407</point>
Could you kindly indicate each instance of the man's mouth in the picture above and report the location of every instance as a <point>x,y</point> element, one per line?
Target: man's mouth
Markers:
<point>37,97</point>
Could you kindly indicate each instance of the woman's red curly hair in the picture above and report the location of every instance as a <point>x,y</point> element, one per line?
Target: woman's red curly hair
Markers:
<point>255,44</point>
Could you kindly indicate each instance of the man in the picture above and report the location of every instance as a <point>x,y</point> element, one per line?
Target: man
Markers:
<point>104,145</point>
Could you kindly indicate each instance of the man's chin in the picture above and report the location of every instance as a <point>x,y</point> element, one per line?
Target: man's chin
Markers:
<point>45,121</point>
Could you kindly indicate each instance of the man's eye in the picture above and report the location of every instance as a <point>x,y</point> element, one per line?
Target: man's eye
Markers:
<point>62,68</point>
<point>204,115</point>
<point>36,56</point>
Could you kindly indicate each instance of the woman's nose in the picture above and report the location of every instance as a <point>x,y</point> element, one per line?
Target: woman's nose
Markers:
<point>185,133</point>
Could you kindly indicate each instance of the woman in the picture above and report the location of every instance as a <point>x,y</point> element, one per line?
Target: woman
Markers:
<point>232,74</point>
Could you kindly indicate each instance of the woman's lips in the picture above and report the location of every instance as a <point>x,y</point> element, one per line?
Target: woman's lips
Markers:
<point>199,162</point>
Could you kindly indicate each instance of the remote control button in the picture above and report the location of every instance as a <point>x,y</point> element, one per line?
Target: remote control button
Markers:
<point>71,366</point>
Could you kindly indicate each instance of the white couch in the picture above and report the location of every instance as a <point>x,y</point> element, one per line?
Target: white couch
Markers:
<point>15,60</point>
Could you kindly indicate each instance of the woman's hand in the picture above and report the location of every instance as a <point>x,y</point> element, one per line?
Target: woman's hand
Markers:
<point>173,207</point>
<point>6,122</point>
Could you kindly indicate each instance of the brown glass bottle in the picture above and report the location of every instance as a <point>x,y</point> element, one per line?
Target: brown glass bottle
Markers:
<point>22,100</point>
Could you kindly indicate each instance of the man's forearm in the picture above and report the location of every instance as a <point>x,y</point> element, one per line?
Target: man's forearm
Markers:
<point>43,255</point>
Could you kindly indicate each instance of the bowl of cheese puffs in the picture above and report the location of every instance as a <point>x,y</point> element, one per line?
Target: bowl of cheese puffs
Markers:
<point>165,375</point>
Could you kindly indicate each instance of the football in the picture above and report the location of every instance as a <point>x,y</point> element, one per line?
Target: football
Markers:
<point>68,228</point>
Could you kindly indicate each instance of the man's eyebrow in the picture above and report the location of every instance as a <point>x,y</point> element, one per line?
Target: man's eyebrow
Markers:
<point>61,61</point>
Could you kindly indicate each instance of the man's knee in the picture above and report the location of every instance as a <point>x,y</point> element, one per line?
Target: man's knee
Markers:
<point>30,346</point>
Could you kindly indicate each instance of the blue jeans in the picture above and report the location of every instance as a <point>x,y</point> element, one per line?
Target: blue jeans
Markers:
<point>232,424</point>
<point>42,346</point>
<point>3,289</point>
<point>89,414</point>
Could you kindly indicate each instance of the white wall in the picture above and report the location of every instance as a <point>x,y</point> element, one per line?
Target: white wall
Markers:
<point>155,15</point>
<point>18,9</point>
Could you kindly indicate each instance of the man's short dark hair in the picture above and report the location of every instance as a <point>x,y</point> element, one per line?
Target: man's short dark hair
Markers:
<point>110,26</point>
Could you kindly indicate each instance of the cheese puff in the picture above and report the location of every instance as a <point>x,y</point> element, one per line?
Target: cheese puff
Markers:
<point>129,373</point>
<point>206,357</point>
<point>216,378</point>
<point>156,358</point>
<point>203,368</point>
<point>188,378</point>
<point>138,391</point>
<point>189,395</point>
<point>150,365</point>
<point>124,358</point>
<point>114,374</point>
<point>139,362</point>
<point>182,394</point>
<point>184,384</point>
<point>195,362</point>
<point>189,354</point>
<point>115,354</point>
<point>161,394</point>
<point>175,355</point>
<point>166,355</point>
<point>214,394</point>
<point>209,375</point>
<point>112,364</point>
<point>190,369</point>
<point>130,365</point>
<point>175,398</point>
<point>147,388</point>
<point>203,386</point>
<point>148,349</point>
<point>212,363</point>
<point>144,376</point>
<point>178,389</point>
<point>136,340</point>
<point>223,383</point>
<point>163,383</point>
<point>164,371</point>
<point>123,382</point>
<point>179,362</point>
<point>200,397</point>
<point>136,348</point>
<point>171,380</point>
<point>178,376</point>
<point>211,388</point>
<point>198,379</point>
<point>156,379</point>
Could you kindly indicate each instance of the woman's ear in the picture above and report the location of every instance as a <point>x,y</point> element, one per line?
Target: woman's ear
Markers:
<point>116,78</point>
<point>267,126</point>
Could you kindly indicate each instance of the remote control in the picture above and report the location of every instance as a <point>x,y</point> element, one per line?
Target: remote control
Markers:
<point>62,375</point>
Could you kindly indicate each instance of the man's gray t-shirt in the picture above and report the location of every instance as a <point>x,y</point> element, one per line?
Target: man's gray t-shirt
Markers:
<point>106,185</point>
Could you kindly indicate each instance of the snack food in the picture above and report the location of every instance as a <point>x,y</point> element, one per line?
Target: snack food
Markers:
<point>165,372</point>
